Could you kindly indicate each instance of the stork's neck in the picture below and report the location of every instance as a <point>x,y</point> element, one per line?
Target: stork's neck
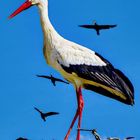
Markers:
<point>50,34</point>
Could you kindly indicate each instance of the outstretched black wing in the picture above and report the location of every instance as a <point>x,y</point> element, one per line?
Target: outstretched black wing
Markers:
<point>106,26</point>
<point>59,80</point>
<point>129,138</point>
<point>50,114</point>
<point>44,76</point>
<point>88,26</point>
<point>37,110</point>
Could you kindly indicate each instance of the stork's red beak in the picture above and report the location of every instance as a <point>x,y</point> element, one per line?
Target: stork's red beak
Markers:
<point>24,6</point>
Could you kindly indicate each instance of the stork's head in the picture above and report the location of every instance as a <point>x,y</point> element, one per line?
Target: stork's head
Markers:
<point>27,5</point>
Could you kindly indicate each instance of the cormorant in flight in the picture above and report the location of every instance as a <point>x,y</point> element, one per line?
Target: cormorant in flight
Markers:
<point>98,27</point>
<point>129,138</point>
<point>115,138</point>
<point>45,115</point>
<point>53,79</point>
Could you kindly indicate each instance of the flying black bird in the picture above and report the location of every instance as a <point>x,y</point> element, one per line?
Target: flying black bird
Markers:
<point>20,138</point>
<point>53,79</point>
<point>129,138</point>
<point>98,27</point>
<point>45,115</point>
<point>115,138</point>
<point>93,131</point>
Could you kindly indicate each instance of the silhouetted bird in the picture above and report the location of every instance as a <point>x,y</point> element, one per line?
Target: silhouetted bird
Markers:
<point>45,115</point>
<point>20,138</point>
<point>53,79</point>
<point>129,138</point>
<point>93,131</point>
<point>98,27</point>
<point>115,138</point>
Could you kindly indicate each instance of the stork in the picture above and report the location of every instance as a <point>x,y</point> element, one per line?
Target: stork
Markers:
<point>80,66</point>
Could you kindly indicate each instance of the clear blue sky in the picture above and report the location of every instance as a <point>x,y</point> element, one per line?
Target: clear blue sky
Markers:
<point>21,59</point>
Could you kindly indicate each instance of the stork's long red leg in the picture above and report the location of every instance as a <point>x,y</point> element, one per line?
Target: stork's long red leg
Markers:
<point>80,108</point>
<point>78,113</point>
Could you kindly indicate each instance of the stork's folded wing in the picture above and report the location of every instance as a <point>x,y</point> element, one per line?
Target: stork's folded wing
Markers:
<point>105,80</point>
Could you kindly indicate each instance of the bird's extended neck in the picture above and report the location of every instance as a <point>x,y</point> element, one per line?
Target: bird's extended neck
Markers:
<point>50,34</point>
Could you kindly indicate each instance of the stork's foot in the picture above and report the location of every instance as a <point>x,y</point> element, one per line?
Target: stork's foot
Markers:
<point>78,114</point>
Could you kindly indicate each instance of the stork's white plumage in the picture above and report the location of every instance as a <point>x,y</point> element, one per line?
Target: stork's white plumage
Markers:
<point>82,67</point>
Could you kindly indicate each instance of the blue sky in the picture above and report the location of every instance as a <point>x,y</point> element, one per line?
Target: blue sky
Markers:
<point>22,58</point>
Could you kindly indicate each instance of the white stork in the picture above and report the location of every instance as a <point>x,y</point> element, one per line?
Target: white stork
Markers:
<point>79,65</point>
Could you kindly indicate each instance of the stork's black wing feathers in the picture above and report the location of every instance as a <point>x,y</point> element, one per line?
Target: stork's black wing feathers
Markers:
<point>126,80</point>
<point>106,80</point>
